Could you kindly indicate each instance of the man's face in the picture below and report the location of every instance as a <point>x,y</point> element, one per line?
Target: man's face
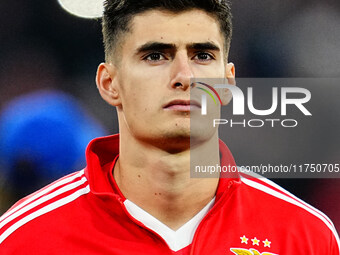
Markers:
<point>159,56</point>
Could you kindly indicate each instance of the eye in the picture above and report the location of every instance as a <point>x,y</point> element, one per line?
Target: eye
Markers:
<point>203,56</point>
<point>154,57</point>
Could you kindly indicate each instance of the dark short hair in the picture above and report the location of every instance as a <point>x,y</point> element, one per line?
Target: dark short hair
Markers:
<point>119,13</point>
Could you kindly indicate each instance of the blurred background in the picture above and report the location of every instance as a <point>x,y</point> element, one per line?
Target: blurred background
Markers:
<point>48,96</point>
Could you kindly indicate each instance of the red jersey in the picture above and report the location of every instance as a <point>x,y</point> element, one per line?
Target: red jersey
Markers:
<point>85,213</point>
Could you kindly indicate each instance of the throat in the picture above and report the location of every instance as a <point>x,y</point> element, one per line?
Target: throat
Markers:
<point>159,182</point>
<point>171,197</point>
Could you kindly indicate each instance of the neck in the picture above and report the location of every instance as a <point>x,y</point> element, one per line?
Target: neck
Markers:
<point>159,182</point>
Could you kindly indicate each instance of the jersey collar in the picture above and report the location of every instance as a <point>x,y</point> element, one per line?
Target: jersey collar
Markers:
<point>102,153</point>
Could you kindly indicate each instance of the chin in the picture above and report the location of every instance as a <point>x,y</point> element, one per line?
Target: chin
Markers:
<point>182,140</point>
<point>172,141</point>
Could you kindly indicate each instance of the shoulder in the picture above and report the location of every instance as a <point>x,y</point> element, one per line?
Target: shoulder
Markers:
<point>293,212</point>
<point>36,208</point>
<point>283,197</point>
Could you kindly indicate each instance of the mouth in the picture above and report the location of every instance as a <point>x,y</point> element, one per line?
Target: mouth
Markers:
<point>182,105</point>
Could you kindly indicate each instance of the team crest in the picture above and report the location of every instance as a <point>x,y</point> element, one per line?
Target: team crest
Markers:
<point>239,251</point>
<point>266,244</point>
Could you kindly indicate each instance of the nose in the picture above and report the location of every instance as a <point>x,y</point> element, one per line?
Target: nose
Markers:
<point>181,72</point>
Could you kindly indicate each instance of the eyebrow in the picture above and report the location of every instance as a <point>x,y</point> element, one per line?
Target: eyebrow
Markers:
<point>155,46</point>
<point>204,46</point>
<point>158,46</point>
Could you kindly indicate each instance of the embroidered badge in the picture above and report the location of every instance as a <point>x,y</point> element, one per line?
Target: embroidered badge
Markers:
<point>240,251</point>
<point>254,242</point>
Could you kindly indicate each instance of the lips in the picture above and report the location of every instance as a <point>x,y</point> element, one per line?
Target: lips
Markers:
<point>182,105</point>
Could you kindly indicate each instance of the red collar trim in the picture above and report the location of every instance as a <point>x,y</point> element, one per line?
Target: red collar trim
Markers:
<point>226,179</point>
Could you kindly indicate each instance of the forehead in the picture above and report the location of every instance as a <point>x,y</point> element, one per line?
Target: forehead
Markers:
<point>182,28</point>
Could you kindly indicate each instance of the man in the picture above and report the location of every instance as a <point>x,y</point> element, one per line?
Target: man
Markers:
<point>136,195</point>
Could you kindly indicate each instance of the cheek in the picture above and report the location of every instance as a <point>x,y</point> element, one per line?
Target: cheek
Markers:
<point>142,94</point>
<point>138,103</point>
<point>143,89</point>
<point>215,70</point>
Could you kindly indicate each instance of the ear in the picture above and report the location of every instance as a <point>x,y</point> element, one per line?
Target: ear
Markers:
<point>230,73</point>
<point>107,83</point>
<point>230,76</point>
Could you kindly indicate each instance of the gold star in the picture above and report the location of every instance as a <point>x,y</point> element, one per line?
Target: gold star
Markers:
<point>255,241</point>
<point>266,243</point>
<point>244,239</point>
